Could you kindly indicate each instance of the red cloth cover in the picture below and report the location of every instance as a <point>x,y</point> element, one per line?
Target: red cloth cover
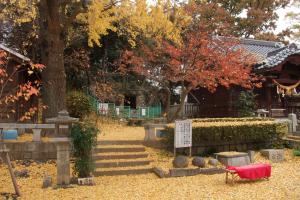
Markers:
<point>252,172</point>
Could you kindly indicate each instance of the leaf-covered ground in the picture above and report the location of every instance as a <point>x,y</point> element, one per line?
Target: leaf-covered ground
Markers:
<point>284,183</point>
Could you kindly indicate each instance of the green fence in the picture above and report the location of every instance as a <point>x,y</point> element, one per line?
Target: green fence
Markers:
<point>111,110</point>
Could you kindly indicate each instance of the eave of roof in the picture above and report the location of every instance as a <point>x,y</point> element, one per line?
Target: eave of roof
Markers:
<point>260,48</point>
<point>14,53</point>
<point>278,56</point>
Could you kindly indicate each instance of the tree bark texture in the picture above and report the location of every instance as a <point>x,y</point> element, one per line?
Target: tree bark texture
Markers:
<point>178,113</point>
<point>52,56</point>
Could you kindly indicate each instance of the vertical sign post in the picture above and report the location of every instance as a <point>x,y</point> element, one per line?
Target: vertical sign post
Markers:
<point>183,135</point>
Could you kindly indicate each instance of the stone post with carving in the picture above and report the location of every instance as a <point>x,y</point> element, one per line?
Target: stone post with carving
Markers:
<point>62,123</point>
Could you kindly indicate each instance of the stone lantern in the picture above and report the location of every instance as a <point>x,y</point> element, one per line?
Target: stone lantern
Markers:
<point>62,123</point>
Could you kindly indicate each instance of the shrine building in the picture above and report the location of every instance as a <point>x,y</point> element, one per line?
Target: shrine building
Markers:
<point>280,92</point>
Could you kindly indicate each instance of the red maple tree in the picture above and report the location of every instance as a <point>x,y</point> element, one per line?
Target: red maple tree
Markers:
<point>202,60</point>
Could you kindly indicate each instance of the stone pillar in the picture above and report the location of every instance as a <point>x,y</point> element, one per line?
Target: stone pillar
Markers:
<point>63,162</point>
<point>251,155</point>
<point>293,118</point>
<point>36,135</point>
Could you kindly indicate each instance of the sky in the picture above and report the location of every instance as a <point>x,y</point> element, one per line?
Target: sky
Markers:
<point>283,22</point>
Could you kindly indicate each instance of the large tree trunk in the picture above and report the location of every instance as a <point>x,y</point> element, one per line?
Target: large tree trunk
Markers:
<point>168,104</point>
<point>52,38</point>
<point>178,112</point>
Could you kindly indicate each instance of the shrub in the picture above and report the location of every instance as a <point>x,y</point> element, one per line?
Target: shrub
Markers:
<point>296,151</point>
<point>78,104</point>
<point>246,104</point>
<point>84,138</point>
<point>233,131</point>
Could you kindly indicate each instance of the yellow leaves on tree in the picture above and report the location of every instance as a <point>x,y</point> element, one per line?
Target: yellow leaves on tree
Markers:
<point>130,18</point>
<point>100,19</point>
<point>19,11</point>
<point>134,19</point>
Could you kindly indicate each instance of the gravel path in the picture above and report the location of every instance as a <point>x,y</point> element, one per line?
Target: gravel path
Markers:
<point>284,183</point>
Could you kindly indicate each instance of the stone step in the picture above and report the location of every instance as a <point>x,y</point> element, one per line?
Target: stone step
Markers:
<point>292,141</point>
<point>124,171</point>
<point>294,137</point>
<point>120,142</point>
<point>121,163</point>
<point>119,155</point>
<point>131,148</point>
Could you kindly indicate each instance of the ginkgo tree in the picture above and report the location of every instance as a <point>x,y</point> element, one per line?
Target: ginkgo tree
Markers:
<point>52,21</point>
<point>11,93</point>
<point>202,60</point>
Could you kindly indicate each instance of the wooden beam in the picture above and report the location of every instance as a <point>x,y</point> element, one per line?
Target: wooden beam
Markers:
<point>5,153</point>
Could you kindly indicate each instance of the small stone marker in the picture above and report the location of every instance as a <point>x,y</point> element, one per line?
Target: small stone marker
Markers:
<point>86,181</point>
<point>47,181</point>
<point>293,118</point>
<point>275,155</point>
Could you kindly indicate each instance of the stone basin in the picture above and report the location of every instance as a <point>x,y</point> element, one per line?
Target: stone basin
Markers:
<point>233,158</point>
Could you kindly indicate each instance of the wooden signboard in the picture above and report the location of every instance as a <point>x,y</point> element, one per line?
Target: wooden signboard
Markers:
<point>183,135</point>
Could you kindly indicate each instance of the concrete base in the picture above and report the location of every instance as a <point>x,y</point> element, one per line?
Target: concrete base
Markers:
<point>32,150</point>
<point>233,158</point>
<point>275,155</point>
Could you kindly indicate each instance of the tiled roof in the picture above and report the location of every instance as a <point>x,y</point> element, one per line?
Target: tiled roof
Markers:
<point>260,48</point>
<point>14,53</point>
<point>276,57</point>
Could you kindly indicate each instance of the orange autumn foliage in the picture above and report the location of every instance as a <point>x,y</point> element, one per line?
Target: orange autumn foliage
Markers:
<point>11,93</point>
<point>202,60</point>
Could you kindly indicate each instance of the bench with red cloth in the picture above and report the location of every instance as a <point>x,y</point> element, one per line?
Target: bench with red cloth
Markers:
<point>251,172</point>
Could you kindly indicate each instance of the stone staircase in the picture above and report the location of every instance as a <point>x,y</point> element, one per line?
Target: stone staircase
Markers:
<point>121,157</point>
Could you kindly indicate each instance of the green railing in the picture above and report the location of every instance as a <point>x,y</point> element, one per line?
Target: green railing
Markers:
<point>111,110</point>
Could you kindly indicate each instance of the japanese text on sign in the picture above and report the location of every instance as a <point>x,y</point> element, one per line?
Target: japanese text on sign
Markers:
<point>183,133</point>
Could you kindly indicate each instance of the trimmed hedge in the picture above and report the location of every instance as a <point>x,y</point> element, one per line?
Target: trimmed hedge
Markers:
<point>244,119</point>
<point>233,132</point>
